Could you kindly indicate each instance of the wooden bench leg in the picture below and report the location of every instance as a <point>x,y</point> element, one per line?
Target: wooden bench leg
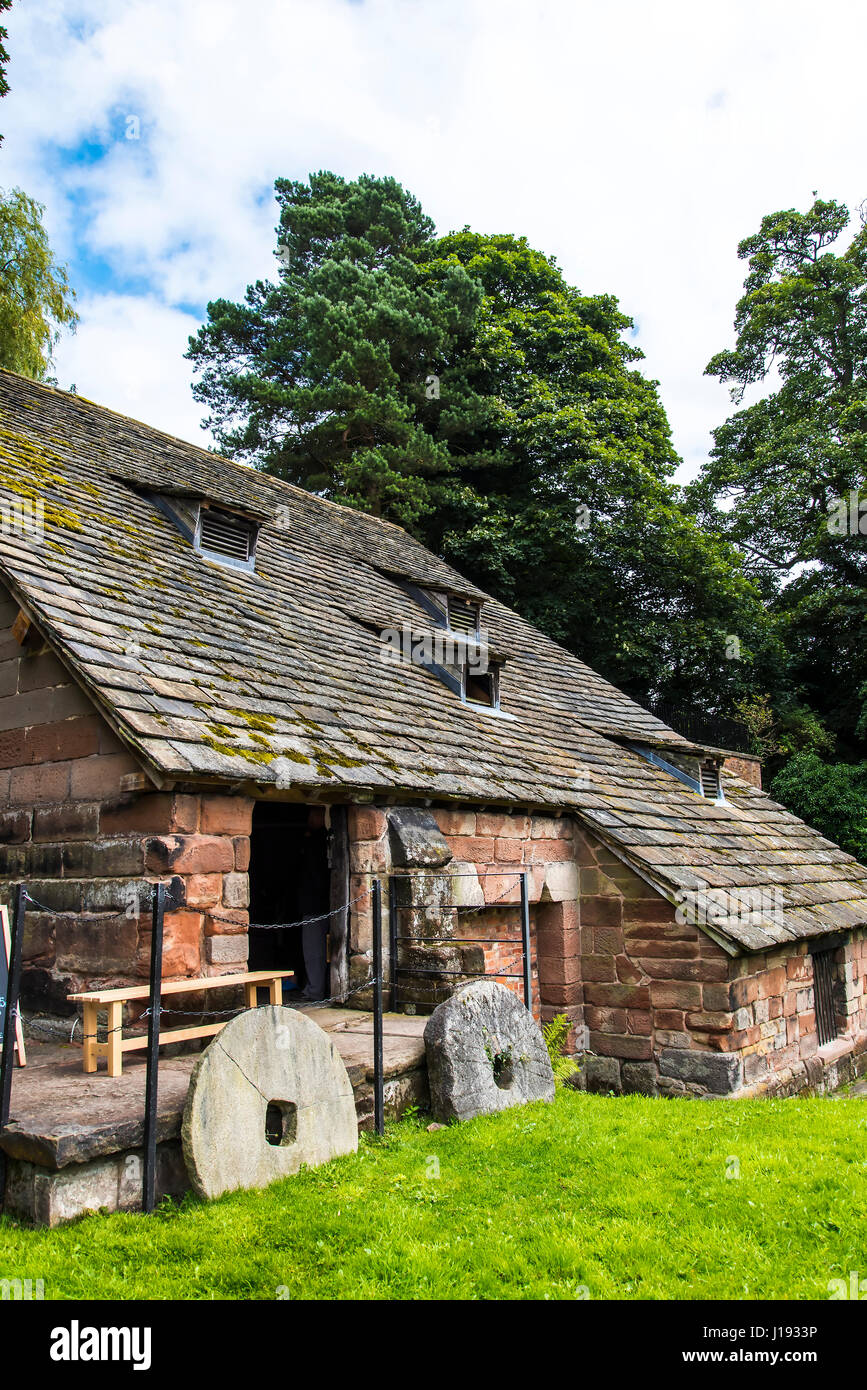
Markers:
<point>90,1053</point>
<point>250,997</point>
<point>115,1054</point>
<point>275,991</point>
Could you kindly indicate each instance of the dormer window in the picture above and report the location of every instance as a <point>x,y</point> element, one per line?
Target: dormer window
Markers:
<point>458,653</point>
<point>226,537</point>
<point>709,777</point>
<point>463,616</point>
<point>481,688</point>
<point>218,534</point>
<point>701,775</point>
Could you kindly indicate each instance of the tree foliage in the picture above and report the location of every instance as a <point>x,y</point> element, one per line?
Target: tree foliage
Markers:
<point>785,480</point>
<point>563,493</point>
<point>460,386</point>
<point>36,301</point>
<point>832,797</point>
<point>785,461</point>
<point>336,377</point>
<point>4,53</point>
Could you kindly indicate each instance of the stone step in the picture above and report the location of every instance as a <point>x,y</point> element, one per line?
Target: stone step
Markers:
<point>74,1142</point>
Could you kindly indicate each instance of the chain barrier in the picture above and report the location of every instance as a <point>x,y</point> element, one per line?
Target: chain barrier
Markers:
<point>253,926</point>
<point>309,920</point>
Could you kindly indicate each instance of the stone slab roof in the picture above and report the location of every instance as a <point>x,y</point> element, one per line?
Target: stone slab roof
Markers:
<point>276,678</point>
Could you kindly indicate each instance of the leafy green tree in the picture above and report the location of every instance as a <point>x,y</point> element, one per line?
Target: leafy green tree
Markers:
<point>36,301</point>
<point>335,376</point>
<point>786,461</point>
<point>563,505</point>
<point>832,797</point>
<point>775,737</point>
<point>4,54</point>
<point>785,480</point>
<point>462,387</point>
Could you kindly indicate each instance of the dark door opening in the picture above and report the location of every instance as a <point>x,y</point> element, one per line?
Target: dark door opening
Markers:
<point>289,880</point>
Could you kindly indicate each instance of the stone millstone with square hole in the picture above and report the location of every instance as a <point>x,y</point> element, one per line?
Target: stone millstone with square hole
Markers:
<point>270,1093</point>
<point>484,1053</point>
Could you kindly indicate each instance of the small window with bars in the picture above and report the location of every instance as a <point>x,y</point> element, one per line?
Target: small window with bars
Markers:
<point>823,996</point>
<point>463,616</point>
<point>225,537</point>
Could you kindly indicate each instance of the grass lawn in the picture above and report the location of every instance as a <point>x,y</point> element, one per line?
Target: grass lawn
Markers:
<point>628,1197</point>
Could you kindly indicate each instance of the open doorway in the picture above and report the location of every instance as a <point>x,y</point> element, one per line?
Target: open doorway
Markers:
<point>290,880</point>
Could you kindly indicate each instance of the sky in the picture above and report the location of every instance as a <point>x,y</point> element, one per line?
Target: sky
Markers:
<point>637,142</point>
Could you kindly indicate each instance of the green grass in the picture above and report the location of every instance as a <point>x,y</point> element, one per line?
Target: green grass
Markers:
<point>627,1197</point>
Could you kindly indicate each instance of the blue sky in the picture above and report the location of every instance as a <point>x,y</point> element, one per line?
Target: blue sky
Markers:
<point>638,143</point>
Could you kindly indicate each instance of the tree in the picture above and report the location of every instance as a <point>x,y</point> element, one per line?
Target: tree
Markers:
<point>563,494</point>
<point>786,461</point>
<point>332,377</point>
<point>4,54</point>
<point>832,797</point>
<point>462,387</point>
<point>36,301</point>
<point>786,476</point>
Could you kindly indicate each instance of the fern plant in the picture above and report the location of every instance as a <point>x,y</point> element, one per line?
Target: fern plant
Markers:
<point>555,1034</point>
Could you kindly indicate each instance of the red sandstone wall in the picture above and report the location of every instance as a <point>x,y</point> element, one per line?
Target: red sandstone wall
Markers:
<point>749,769</point>
<point>653,987</point>
<point>774,1019</point>
<point>498,844</point>
<point>487,849</point>
<point>667,1011</point>
<point>657,1006</point>
<point>92,852</point>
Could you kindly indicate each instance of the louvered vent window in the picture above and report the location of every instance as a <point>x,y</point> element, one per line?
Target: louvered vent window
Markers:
<point>463,616</point>
<point>823,995</point>
<point>710,781</point>
<point>230,538</point>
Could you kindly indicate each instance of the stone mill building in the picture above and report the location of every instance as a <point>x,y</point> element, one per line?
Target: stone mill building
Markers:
<point>212,677</point>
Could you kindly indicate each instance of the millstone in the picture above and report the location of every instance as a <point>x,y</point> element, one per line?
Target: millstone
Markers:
<point>270,1093</point>
<point>485,1052</point>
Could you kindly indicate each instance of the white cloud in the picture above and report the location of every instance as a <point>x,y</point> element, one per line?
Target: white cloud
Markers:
<point>125,354</point>
<point>639,143</point>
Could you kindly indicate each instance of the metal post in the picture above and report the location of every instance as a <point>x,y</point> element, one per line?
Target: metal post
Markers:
<point>525,937</point>
<point>378,1097</point>
<point>392,939</point>
<point>10,1017</point>
<point>153,1052</point>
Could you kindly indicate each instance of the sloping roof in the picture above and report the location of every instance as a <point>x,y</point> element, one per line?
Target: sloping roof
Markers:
<point>277,676</point>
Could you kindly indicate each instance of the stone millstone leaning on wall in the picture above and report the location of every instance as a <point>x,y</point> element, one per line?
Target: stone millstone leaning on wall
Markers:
<point>485,1053</point>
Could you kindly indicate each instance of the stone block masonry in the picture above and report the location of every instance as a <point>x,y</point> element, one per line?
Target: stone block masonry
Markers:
<point>490,849</point>
<point>667,1012</point>
<point>774,1018</point>
<point>91,851</point>
<point>92,928</point>
<point>481,853</point>
<point>655,1005</point>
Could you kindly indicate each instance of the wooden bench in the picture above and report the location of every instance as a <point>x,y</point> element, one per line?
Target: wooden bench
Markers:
<point>113,1000</point>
